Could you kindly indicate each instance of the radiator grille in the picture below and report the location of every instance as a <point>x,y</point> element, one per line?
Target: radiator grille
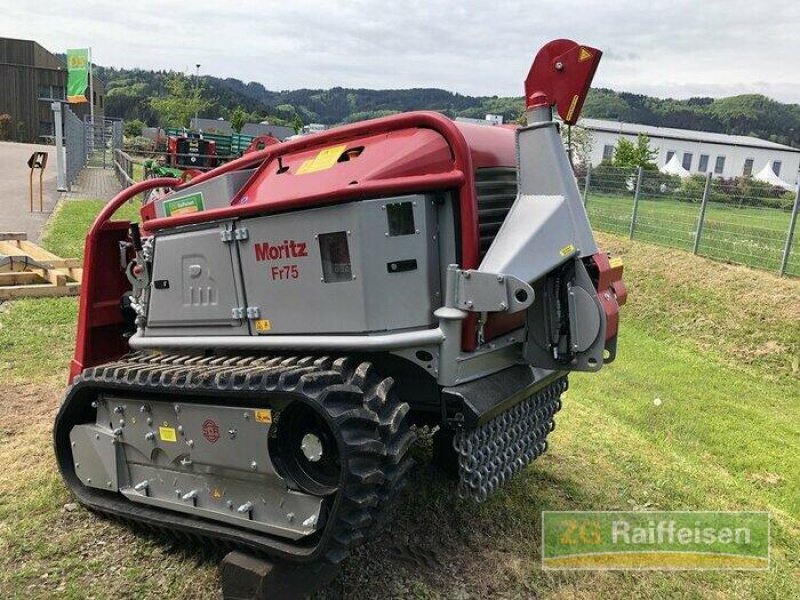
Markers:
<point>497,190</point>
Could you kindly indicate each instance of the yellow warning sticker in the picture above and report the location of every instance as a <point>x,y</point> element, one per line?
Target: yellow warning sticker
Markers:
<point>567,250</point>
<point>217,493</point>
<point>572,106</point>
<point>167,434</point>
<point>615,262</point>
<point>264,415</point>
<point>584,55</point>
<point>324,159</point>
<point>263,325</point>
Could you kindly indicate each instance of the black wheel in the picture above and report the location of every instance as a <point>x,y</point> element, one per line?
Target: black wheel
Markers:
<point>308,450</point>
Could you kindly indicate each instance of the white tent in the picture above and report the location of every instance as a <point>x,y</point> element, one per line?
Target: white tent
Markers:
<point>768,175</point>
<point>674,167</point>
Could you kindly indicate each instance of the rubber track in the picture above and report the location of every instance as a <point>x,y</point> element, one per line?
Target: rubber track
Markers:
<point>361,407</point>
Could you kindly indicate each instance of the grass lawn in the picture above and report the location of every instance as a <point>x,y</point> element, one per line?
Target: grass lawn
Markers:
<point>747,235</point>
<point>717,344</point>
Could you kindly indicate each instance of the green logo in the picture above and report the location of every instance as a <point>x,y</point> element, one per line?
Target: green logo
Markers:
<point>655,540</point>
<point>187,204</point>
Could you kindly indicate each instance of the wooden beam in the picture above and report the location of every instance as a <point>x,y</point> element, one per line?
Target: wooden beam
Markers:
<point>38,291</point>
<point>9,279</point>
<point>4,236</point>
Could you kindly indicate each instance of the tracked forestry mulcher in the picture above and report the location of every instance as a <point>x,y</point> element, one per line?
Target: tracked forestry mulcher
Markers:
<point>251,356</point>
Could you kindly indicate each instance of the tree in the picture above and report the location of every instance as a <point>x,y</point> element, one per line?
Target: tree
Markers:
<point>579,144</point>
<point>181,103</point>
<point>628,155</point>
<point>133,128</point>
<point>297,124</point>
<point>238,119</point>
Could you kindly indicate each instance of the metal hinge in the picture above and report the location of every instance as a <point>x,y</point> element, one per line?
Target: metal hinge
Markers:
<point>237,313</point>
<point>253,312</point>
<point>228,235</point>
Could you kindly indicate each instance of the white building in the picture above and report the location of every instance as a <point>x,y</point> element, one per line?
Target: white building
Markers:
<point>698,151</point>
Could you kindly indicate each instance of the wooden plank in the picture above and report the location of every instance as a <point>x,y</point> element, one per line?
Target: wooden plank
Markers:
<point>37,252</point>
<point>10,235</point>
<point>38,291</point>
<point>10,248</point>
<point>25,278</point>
<point>62,263</point>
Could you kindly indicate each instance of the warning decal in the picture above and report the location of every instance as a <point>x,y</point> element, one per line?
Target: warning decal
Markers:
<point>324,159</point>
<point>264,416</point>
<point>167,434</point>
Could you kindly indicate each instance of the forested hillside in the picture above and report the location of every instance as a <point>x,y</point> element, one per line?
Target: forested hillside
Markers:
<point>129,94</point>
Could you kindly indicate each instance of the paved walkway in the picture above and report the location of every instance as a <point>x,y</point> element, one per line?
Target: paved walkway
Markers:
<point>92,182</point>
<point>15,212</point>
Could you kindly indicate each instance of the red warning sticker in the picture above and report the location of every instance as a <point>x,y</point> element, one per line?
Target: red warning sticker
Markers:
<point>210,430</point>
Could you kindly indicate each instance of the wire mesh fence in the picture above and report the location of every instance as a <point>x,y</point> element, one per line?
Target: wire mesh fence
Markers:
<point>737,220</point>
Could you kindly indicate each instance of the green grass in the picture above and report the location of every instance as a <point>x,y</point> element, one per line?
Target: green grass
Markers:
<point>138,171</point>
<point>746,235</point>
<point>66,230</point>
<point>718,345</point>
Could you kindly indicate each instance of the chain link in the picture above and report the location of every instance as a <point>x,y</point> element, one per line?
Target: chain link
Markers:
<point>490,455</point>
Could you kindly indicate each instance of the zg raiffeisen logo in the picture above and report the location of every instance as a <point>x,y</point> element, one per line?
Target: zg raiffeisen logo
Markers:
<point>655,540</point>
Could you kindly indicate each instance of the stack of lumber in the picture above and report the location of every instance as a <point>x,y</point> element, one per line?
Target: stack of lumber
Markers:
<point>28,270</point>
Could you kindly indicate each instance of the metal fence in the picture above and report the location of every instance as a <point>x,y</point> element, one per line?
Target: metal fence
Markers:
<point>75,143</point>
<point>737,220</point>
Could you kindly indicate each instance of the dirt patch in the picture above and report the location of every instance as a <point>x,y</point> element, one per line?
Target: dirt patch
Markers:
<point>23,404</point>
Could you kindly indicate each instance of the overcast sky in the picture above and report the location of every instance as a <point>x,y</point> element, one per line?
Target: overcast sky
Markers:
<point>677,48</point>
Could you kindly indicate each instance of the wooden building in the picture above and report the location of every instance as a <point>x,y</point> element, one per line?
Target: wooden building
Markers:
<point>31,79</point>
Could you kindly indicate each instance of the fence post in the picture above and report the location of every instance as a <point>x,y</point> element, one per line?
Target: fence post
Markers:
<point>702,219</point>
<point>61,168</point>
<point>636,201</point>
<point>787,249</point>
<point>586,184</point>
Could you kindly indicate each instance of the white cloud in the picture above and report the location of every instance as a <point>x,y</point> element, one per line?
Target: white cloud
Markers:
<point>679,48</point>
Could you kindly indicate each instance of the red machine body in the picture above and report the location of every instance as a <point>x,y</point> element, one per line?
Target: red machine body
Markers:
<point>404,153</point>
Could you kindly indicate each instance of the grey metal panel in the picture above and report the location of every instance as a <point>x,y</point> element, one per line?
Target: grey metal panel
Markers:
<point>202,434</point>
<point>94,454</point>
<point>547,223</point>
<point>217,192</point>
<point>288,287</point>
<point>277,511</point>
<point>544,169</point>
<point>200,459</point>
<point>193,284</point>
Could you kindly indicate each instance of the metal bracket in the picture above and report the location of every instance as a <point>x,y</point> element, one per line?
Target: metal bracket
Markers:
<point>237,313</point>
<point>241,233</point>
<point>226,235</point>
<point>479,291</point>
<point>253,312</point>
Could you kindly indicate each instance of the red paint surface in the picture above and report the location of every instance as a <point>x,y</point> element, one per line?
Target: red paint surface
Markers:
<point>100,325</point>
<point>547,84</point>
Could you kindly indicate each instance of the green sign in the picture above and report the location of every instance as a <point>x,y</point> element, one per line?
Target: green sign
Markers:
<point>597,540</point>
<point>77,75</point>
<point>185,205</point>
